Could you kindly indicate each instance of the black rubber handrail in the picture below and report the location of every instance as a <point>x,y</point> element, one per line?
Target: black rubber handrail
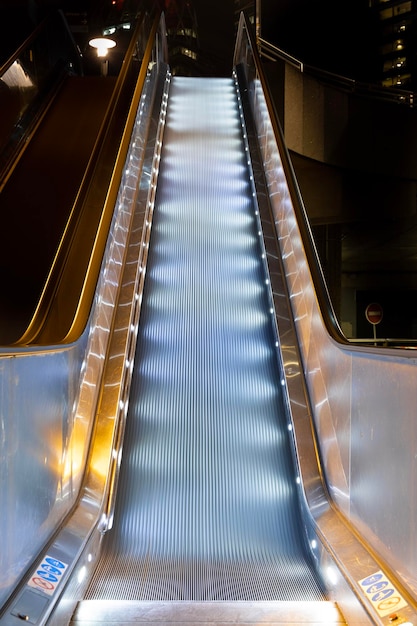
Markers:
<point>350,85</point>
<point>319,280</point>
<point>374,91</point>
<point>27,43</point>
<point>28,120</point>
<point>325,303</point>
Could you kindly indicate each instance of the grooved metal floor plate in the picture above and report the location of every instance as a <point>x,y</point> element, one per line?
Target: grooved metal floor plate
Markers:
<point>207,504</point>
<point>214,613</point>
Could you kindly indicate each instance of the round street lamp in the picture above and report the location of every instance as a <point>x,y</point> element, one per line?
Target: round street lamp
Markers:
<point>102,45</point>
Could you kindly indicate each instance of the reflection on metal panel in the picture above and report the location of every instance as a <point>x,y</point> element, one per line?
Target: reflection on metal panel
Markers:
<point>363,399</point>
<point>48,400</point>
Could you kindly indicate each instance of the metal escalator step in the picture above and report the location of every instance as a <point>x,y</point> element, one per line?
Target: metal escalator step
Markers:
<point>207,507</point>
<point>109,613</point>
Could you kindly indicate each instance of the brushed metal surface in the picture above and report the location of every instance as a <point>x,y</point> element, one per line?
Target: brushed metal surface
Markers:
<point>344,385</point>
<point>129,612</point>
<point>207,507</point>
<point>362,400</point>
<point>49,398</point>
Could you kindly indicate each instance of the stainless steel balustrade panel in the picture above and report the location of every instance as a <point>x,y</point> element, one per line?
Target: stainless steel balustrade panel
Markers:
<point>39,468</point>
<point>364,399</point>
<point>207,506</point>
<point>48,401</point>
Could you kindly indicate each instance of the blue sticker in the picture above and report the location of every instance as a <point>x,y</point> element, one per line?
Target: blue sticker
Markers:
<point>55,562</point>
<point>377,587</point>
<point>382,595</point>
<point>51,569</point>
<point>371,580</point>
<point>47,576</point>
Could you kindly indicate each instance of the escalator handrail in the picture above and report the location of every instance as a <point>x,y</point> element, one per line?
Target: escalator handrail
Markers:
<point>41,330</point>
<point>345,83</point>
<point>335,524</point>
<point>23,46</point>
<point>318,278</point>
<point>330,320</point>
<point>28,119</point>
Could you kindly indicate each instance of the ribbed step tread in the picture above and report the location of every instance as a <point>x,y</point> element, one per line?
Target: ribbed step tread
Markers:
<point>110,612</point>
<point>207,505</point>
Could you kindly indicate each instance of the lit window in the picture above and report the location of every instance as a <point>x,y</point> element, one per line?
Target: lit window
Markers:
<point>396,81</point>
<point>182,32</point>
<point>184,52</point>
<point>391,64</point>
<point>404,7</point>
<point>401,9</point>
<point>392,47</point>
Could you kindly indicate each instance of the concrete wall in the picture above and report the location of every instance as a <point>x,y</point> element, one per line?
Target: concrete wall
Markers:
<point>355,160</point>
<point>368,149</point>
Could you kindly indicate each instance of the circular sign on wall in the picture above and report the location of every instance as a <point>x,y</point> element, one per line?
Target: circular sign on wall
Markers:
<point>374,313</point>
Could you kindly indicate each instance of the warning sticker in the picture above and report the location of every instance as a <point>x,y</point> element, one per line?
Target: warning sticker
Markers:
<point>382,594</point>
<point>48,575</point>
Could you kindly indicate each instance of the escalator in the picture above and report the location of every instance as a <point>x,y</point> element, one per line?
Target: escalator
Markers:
<point>37,201</point>
<point>59,138</point>
<point>207,506</point>
<point>189,484</point>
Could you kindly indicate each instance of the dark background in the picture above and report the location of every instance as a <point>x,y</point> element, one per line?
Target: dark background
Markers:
<point>340,38</point>
<point>215,21</point>
<point>322,33</point>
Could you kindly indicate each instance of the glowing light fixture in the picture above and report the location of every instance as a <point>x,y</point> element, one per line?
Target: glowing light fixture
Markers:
<point>102,45</point>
